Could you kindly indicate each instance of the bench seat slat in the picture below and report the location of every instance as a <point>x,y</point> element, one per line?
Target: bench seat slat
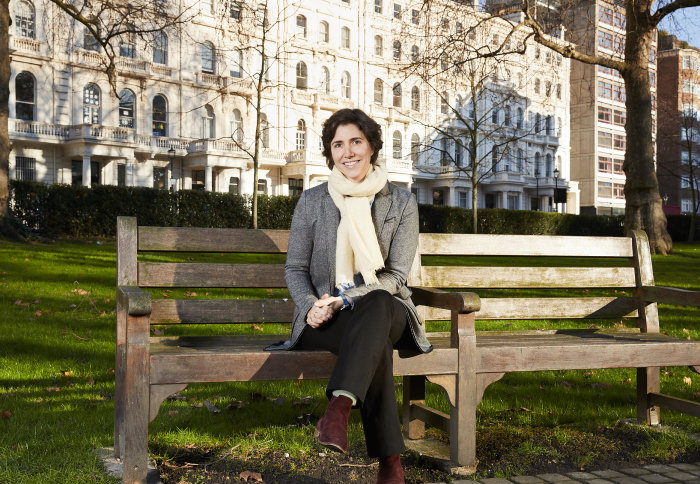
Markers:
<point>242,358</point>
<point>531,277</point>
<point>197,239</point>
<point>212,311</point>
<point>524,245</point>
<point>176,274</point>
<point>546,308</point>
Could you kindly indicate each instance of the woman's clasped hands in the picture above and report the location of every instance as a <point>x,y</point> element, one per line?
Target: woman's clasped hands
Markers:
<point>323,310</point>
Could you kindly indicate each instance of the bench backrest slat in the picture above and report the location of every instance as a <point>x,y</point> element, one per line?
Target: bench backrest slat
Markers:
<point>534,277</point>
<point>525,245</point>
<point>196,239</point>
<point>174,274</point>
<point>214,311</point>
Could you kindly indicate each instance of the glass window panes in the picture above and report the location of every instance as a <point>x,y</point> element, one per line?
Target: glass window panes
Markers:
<point>323,32</point>
<point>160,48</point>
<point>126,109</point>
<point>301,76</point>
<point>396,147</point>
<point>160,175</point>
<point>160,116</point>
<point>345,90</point>
<point>25,22</point>
<point>24,96</point>
<point>207,52</point>
<point>234,185</point>
<point>296,186</point>
<point>236,126</point>
<point>301,135</point>
<point>25,168</point>
<point>91,104</point>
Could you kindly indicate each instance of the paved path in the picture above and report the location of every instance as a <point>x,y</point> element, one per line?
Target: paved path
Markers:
<point>671,473</point>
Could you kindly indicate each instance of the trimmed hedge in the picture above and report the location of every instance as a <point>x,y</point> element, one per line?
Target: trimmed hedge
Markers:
<point>78,211</point>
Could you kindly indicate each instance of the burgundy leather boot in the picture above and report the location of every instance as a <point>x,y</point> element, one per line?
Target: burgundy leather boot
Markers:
<point>332,428</point>
<point>390,470</point>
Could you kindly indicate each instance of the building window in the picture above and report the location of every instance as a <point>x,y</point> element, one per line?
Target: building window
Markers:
<point>686,205</point>
<point>538,123</point>
<point>25,168</point>
<point>127,43</point>
<point>89,41</point>
<point>494,158</point>
<point>207,6</point>
<point>397,11</point>
<point>538,164</point>
<point>520,118</point>
<point>494,115</point>
<point>520,159</point>
<point>301,26</point>
<point>160,116</point>
<point>126,109</point>
<point>619,94</point>
<point>549,125</point>
<point>207,53</point>
<point>397,49</point>
<point>345,38</point>
<point>462,199</point>
<point>262,186</point>
<point>619,142</point>
<point>513,202</point>
<point>414,53</point>
<point>537,86</point>
<point>160,48</point>
<point>296,186</point>
<point>302,76</point>
<point>548,164</point>
<point>160,177</point>
<point>604,114</point>
<point>397,95</point>
<point>121,175</point>
<point>619,117</point>
<point>345,91</point>
<point>506,115</point>
<point>377,6</point>
<point>301,135</point>
<point>234,185</point>
<point>415,17</point>
<point>444,103</point>
<point>91,104</point>
<point>325,85</point>
<point>208,123</point>
<point>323,32</point>
<point>378,46</point>
<point>605,15</point>
<point>25,20</point>
<point>438,197</point>
<point>415,148</point>
<point>605,40</point>
<point>76,171</point>
<point>264,130</point>
<point>198,179</point>
<point>396,145</point>
<point>237,126</point>
<point>378,91</point>
<point>25,95</point>
<point>236,70</point>
<point>548,89</point>
<point>604,139</point>
<point>605,164</point>
<point>235,10</point>
<point>415,99</point>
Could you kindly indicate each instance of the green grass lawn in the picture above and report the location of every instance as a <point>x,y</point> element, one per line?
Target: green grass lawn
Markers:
<point>57,383</point>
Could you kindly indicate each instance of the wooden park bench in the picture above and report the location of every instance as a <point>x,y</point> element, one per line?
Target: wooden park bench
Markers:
<point>464,362</point>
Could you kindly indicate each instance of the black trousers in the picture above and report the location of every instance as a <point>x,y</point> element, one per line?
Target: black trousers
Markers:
<point>364,338</point>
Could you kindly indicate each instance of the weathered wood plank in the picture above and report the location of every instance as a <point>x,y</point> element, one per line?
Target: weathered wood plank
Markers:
<point>430,416</point>
<point>675,403</point>
<point>127,274</point>
<point>166,274</point>
<point>547,308</point>
<point>533,277</point>
<point>199,239</point>
<point>670,295</point>
<point>524,245</point>
<point>209,311</point>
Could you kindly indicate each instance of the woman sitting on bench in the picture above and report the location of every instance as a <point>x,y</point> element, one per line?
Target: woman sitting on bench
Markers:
<point>351,246</point>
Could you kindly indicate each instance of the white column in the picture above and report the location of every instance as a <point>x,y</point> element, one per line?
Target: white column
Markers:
<point>86,170</point>
<point>306,181</point>
<point>505,199</point>
<point>207,178</point>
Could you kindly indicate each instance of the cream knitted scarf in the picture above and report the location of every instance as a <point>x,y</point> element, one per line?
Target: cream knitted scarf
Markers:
<point>357,248</point>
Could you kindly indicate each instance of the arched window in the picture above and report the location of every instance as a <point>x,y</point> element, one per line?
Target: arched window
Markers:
<point>323,32</point>
<point>378,91</point>
<point>548,164</point>
<point>547,88</point>
<point>207,57</point>
<point>126,109</point>
<point>378,46</point>
<point>325,86</point>
<point>415,148</point>
<point>127,43</point>
<point>494,158</point>
<point>302,76</point>
<point>537,86</point>
<point>397,49</point>
<point>538,163</point>
<point>396,145</point>
<point>237,126</point>
<point>506,159</point>
<point>208,122</point>
<point>160,48</point>
<point>91,104</point>
<point>25,96</point>
<point>415,98</point>
<point>397,95</point>
<point>160,116</point>
<point>444,103</point>
<point>301,135</point>
<point>538,123</point>
<point>520,118</point>
<point>520,160</point>
<point>345,38</point>
<point>549,125</point>
<point>25,20</point>
<point>345,85</point>
<point>559,126</point>
<point>264,130</point>
<point>494,115</point>
<point>414,53</point>
<point>236,65</point>
<point>301,26</point>
<point>506,115</point>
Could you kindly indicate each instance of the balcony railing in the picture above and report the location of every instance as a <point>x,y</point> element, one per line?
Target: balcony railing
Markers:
<point>95,131</point>
<point>39,129</point>
<point>31,45</point>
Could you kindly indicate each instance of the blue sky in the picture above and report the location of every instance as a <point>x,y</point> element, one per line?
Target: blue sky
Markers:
<point>684,24</point>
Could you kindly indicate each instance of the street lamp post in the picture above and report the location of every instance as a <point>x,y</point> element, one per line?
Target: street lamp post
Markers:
<point>537,185</point>
<point>171,156</point>
<point>556,189</point>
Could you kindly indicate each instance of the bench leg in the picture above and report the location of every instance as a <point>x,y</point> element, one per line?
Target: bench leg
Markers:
<point>648,381</point>
<point>463,412</point>
<point>136,402</point>
<point>413,393</point>
<point>119,365</point>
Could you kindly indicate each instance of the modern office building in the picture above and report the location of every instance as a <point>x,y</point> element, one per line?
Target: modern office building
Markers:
<point>678,141</point>
<point>183,111</point>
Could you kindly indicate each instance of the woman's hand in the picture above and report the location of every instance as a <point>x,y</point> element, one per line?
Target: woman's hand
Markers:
<point>323,310</point>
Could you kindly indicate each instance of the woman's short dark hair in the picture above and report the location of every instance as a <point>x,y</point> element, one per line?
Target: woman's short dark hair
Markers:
<point>369,127</point>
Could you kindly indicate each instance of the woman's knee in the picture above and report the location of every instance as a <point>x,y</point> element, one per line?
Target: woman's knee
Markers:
<point>378,298</point>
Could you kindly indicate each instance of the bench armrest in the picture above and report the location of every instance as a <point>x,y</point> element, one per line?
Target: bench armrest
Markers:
<point>462,302</point>
<point>670,295</point>
<point>135,301</point>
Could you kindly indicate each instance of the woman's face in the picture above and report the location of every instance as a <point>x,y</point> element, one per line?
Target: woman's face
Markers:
<point>351,152</point>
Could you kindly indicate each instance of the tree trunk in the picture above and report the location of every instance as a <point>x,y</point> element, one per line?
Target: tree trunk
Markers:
<point>643,206</point>
<point>4,117</point>
<point>475,185</point>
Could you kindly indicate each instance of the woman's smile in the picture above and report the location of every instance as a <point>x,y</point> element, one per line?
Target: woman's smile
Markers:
<point>351,152</point>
